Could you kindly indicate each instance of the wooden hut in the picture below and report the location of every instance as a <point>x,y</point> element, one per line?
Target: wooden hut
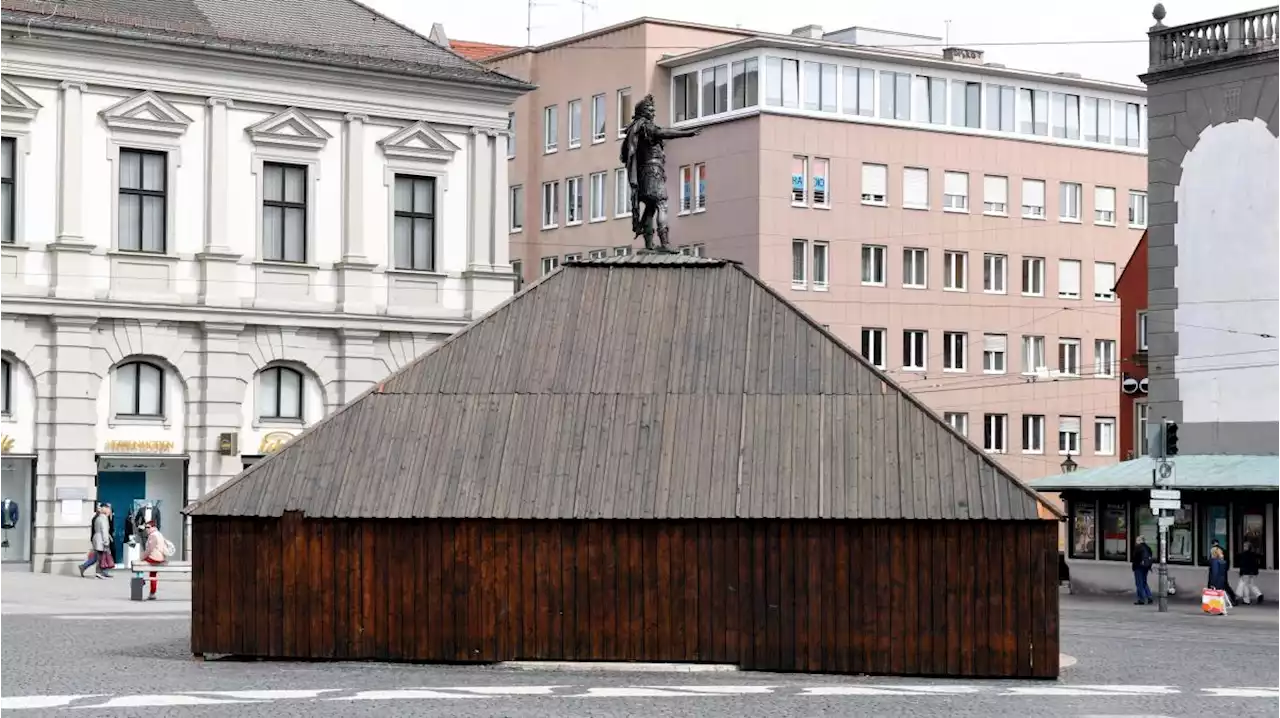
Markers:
<point>650,458</point>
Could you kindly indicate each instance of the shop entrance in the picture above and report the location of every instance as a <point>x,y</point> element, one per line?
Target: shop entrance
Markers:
<point>18,486</point>
<point>121,489</point>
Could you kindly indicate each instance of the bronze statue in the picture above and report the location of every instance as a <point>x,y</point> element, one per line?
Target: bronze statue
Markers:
<point>645,158</point>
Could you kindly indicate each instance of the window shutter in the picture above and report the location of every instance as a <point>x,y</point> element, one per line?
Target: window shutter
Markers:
<point>1033,193</point>
<point>1069,276</point>
<point>1104,278</point>
<point>956,183</point>
<point>995,343</point>
<point>874,179</point>
<point>915,187</point>
<point>1070,424</point>
<point>1104,199</point>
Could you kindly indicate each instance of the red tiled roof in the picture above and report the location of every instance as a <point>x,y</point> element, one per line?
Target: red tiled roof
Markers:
<point>477,51</point>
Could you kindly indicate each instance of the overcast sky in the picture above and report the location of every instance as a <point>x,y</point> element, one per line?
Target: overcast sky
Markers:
<point>974,23</point>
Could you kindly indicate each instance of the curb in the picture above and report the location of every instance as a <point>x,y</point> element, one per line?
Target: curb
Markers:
<point>617,667</point>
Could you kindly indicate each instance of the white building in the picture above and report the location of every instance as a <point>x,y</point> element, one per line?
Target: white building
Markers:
<point>214,235</point>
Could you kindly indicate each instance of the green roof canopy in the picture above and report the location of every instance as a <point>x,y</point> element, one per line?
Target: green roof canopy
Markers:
<point>1205,471</point>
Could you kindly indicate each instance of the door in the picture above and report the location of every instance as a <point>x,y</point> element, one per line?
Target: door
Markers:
<point>120,489</point>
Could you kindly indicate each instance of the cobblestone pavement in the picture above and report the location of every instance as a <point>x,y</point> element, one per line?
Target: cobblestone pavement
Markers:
<point>80,648</point>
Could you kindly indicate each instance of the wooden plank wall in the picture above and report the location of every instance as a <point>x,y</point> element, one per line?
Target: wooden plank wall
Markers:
<point>958,598</point>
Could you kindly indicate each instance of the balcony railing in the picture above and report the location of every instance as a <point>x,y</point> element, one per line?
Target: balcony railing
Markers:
<point>1241,34</point>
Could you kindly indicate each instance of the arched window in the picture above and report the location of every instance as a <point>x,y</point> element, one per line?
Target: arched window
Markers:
<point>139,389</point>
<point>7,375</point>
<point>280,393</point>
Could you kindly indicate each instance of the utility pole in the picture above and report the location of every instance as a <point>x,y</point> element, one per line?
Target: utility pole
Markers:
<point>1164,444</point>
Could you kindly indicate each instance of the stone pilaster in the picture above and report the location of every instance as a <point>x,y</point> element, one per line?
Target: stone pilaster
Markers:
<point>220,391</point>
<point>69,252</point>
<point>355,272</point>
<point>488,277</point>
<point>217,259</point>
<point>360,367</point>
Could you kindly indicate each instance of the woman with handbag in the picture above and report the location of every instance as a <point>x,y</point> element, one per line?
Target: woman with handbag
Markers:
<point>157,551</point>
<point>101,538</point>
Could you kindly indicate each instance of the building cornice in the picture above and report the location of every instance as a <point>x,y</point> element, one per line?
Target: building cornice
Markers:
<point>1211,64</point>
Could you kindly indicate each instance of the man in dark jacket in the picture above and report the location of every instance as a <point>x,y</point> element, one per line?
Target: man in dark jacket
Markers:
<point>1248,562</point>
<point>1141,568</point>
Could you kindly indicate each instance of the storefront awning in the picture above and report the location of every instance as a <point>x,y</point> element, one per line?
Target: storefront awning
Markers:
<point>1203,471</point>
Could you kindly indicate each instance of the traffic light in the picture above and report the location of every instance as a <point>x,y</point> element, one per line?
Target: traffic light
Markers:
<point>1170,439</point>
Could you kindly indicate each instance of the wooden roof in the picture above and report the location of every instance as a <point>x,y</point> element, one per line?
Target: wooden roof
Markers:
<point>644,387</point>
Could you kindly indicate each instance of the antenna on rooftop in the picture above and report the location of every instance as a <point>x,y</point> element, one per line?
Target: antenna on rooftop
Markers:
<point>947,35</point>
<point>584,5</point>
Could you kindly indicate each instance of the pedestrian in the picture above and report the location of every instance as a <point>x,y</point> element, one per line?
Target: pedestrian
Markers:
<point>1248,561</point>
<point>1141,569</point>
<point>100,539</point>
<point>1218,571</point>
<point>156,552</point>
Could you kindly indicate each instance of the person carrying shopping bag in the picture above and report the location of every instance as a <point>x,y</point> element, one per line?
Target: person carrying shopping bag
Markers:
<point>100,538</point>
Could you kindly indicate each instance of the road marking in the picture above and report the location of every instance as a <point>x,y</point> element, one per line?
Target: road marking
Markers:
<point>266,695</point>
<point>12,704</point>
<point>125,617</point>
<point>1092,691</point>
<point>402,694</point>
<point>505,690</point>
<point>718,690</point>
<point>887,690</point>
<point>629,692</point>
<point>148,701</point>
<point>1243,692</point>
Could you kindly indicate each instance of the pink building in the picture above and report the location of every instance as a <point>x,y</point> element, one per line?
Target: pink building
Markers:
<point>963,223</point>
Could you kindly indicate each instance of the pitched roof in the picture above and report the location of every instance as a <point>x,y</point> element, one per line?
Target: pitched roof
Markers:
<point>336,32</point>
<point>477,51</point>
<point>646,387</point>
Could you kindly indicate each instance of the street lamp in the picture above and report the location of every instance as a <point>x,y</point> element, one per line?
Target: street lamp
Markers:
<point>1069,465</point>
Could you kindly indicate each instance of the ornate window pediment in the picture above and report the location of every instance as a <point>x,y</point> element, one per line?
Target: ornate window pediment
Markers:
<point>16,104</point>
<point>419,141</point>
<point>146,112</point>
<point>290,128</point>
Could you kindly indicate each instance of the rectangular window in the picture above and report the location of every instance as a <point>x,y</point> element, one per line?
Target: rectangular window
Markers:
<point>1084,529</point>
<point>958,421</point>
<point>995,351</point>
<point>597,196</point>
<point>799,263</point>
<point>931,99</point>
<point>284,212</point>
<point>684,97</point>
<point>515,205</point>
<point>1140,428</point>
<point>782,82</point>
<point>955,188</point>
<point>1104,436</point>
<point>1032,199</point>
<point>598,253</point>
<point>915,349</point>
<point>995,196</point>
<point>575,123</point>
<point>875,183</point>
<point>1033,358</point>
<point>686,189</point>
<point>624,110</point>
<point>1104,205</point>
<point>1033,112</point>
<point>598,120</point>
<point>895,95</point>
<point>873,346</point>
<point>955,271</point>
<point>550,204</point>
<point>966,104</point>
<point>915,268</point>
<point>821,268</point>
<point>819,87</point>
<point>1033,433</point>
<point>511,135</point>
<point>1069,202</point>
<point>1066,116</point>
<point>143,200</point>
<point>1095,120</point>
<point>953,351</point>
<point>572,257</point>
<point>1000,108</point>
<point>874,261</point>
<point>821,170</point>
<point>415,230</point>
<point>573,201</point>
<point>1104,281</point>
<point>715,90</point>
<point>1142,331</point>
<point>745,83</point>
<point>995,433</point>
<point>995,273</point>
<point>1068,279</point>
<point>549,265</point>
<point>699,187</point>
<point>1128,130</point>
<point>1033,276</point>
<point>1104,358</point>
<point>621,193</point>
<point>8,186</point>
<point>859,91</point>
<point>622,251</point>
<point>1069,435</point>
<point>517,268</point>
<point>550,128</point>
<point>1137,209</point>
<point>1069,357</point>
<point>799,180</point>
<point>915,188</point>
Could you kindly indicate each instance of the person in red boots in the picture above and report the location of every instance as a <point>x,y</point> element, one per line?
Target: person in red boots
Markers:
<point>157,551</point>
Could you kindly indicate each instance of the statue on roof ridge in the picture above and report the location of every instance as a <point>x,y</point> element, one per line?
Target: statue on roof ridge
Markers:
<point>645,158</point>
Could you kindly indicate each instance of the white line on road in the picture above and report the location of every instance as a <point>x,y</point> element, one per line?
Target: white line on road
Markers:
<point>148,701</point>
<point>1243,692</point>
<point>266,695</point>
<point>21,702</point>
<point>888,690</point>
<point>403,694</point>
<point>126,617</point>
<point>1092,691</point>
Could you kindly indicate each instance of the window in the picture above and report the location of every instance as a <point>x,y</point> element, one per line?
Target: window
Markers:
<point>693,250</point>
<point>1104,281</point>
<point>820,172</point>
<point>517,268</point>
<point>955,188</point>
<point>1069,357</point>
<point>799,263</point>
<point>1068,278</point>
<point>1104,357</point>
<point>995,271</point>
<point>859,91</point>
<point>1033,359</point>
<point>1095,120</point>
<point>782,82</point>
<point>575,123</point>
<point>621,193</point>
<point>1140,428</point>
<point>895,95</point>
<point>622,251</point>
<point>995,196</point>
<point>572,257</point>
<point>819,87</point>
<point>511,135</point>
<point>958,421</point>
<point>1000,108</point>
<point>686,189</point>
<point>915,346</point>
<point>1069,202</point>
<point>875,181</point>
<point>715,90</point>
<point>1128,124</point>
<point>1033,112</point>
<point>995,348</point>
<point>953,351</point>
<point>139,390</point>
<point>550,204</point>
<point>1033,433</point>
<point>284,212</point>
<point>745,83</point>
<point>1066,116</point>
<point>873,346</point>
<point>549,265</point>
<point>1104,205</point>
<point>8,188</point>
<point>874,262</point>
<point>915,269</point>
<point>573,200</point>
<point>280,393</point>
<point>550,128</point>
<point>699,187</point>
<point>955,271</point>
<point>597,118</point>
<point>597,196</point>
<point>1142,331</point>
<point>821,268</point>
<point>598,253</point>
<point>516,207</point>
<point>684,98</point>
<point>1068,435</point>
<point>995,432</point>
<point>1033,276</point>
<point>415,231</point>
<point>1032,199</point>
<point>799,180</point>
<point>624,110</point>
<point>915,188</point>
<point>1104,436</point>
<point>1137,209</point>
<point>6,376</point>
<point>142,201</point>
<point>1084,525</point>
<point>966,104</point>
<point>931,99</point>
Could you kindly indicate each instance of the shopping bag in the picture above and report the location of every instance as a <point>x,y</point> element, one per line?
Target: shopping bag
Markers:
<point>1214,602</point>
<point>108,561</point>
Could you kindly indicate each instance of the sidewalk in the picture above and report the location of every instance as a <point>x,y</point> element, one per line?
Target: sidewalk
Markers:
<point>1267,614</point>
<point>25,593</point>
